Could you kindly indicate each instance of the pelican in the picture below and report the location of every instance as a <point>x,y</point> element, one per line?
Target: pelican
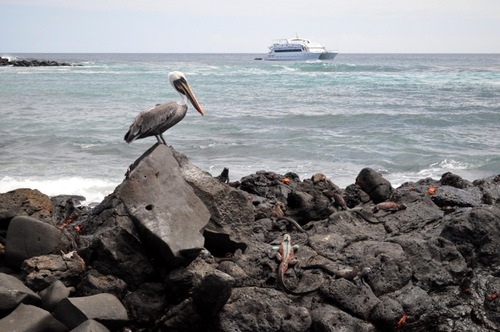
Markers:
<point>156,120</point>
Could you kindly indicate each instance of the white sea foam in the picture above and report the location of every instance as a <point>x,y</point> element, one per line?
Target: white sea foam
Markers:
<point>88,146</point>
<point>450,164</point>
<point>9,57</point>
<point>94,190</point>
<point>436,170</point>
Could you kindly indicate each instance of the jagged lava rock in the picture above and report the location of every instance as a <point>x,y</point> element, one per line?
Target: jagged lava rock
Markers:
<point>492,307</point>
<point>435,262</point>
<point>450,196</point>
<point>184,318</point>
<point>476,233</point>
<point>415,301</point>
<point>167,213</point>
<point>212,293</point>
<point>180,282</point>
<point>117,251</point>
<point>357,300</point>
<point>26,202</point>
<point>387,314</point>
<point>257,309</point>
<point>388,259</point>
<point>490,189</point>
<point>266,184</point>
<point>95,283</point>
<point>42,271</point>
<point>421,212</point>
<point>231,209</point>
<point>450,179</point>
<point>331,319</point>
<point>146,303</point>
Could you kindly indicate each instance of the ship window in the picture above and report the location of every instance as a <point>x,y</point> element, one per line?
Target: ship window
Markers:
<point>290,50</point>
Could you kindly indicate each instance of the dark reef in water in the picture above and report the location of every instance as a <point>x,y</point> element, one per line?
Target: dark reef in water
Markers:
<point>31,63</point>
<point>174,248</point>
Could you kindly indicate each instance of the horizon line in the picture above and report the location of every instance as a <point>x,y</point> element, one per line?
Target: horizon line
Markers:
<point>107,52</point>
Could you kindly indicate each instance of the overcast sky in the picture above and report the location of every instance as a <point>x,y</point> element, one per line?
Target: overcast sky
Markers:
<point>227,26</point>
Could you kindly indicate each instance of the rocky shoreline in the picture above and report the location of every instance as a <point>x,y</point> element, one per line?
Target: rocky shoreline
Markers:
<point>31,63</point>
<point>175,249</point>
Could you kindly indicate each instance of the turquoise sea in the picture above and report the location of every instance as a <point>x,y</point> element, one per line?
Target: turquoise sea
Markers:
<point>410,116</point>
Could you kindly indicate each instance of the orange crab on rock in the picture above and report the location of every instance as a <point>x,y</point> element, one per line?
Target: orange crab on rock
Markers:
<point>401,322</point>
<point>285,180</point>
<point>431,190</point>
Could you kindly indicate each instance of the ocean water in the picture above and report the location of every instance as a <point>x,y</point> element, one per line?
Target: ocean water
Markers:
<point>409,116</point>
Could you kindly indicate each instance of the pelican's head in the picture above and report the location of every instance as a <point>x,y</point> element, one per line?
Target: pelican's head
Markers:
<point>179,82</point>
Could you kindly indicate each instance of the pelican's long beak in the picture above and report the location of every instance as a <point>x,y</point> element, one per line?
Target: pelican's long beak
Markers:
<point>183,87</point>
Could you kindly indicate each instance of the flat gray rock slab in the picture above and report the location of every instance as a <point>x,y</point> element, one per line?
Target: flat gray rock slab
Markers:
<point>54,294</point>
<point>90,326</point>
<point>104,308</point>
<point>168,214</point>
<point>28,318</point>
<point>13,292</point>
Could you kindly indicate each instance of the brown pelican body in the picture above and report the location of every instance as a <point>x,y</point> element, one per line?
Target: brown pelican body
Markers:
<point>156,120</point>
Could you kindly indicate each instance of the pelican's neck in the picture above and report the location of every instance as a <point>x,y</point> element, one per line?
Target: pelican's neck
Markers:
<point>183,100</point>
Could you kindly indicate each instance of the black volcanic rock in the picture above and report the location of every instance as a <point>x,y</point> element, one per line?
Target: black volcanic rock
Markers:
<point>357,300</point>
<point>24,202</point>
<point>420,257</point>
<point>329,318</point>
<point>453,180</point>
<point>212,293</point>
<point>117,252</point>
<point>28,237</point>
<point>146,303</point>
<point>387,314</point>
<point>372,182</point>
<point>260,309</point>
<point>42,271</point>
<point>475,233</point>
<point>95,283</point>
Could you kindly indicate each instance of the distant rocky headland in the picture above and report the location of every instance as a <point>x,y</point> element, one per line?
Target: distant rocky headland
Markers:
<point>174,248</point>
<point>31,63</point>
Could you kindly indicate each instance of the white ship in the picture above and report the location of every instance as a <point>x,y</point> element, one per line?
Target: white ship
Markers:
<point>298,49</point>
